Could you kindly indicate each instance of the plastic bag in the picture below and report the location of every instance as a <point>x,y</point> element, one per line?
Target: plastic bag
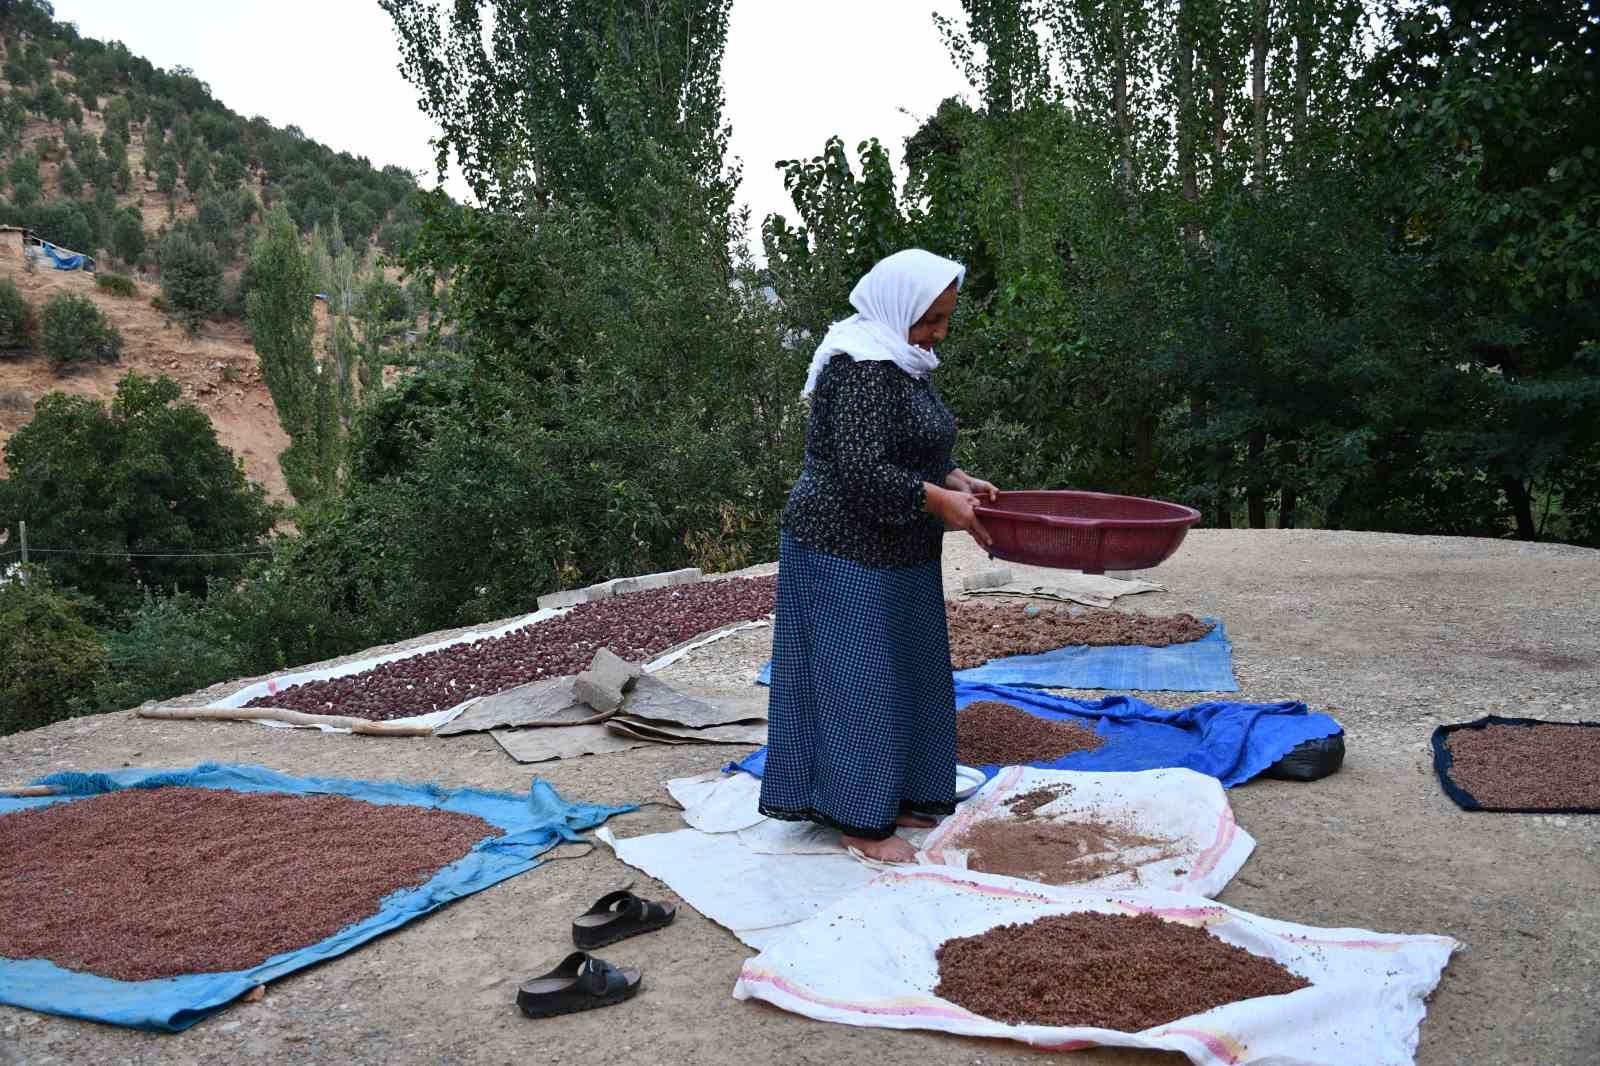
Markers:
<point>1309,760</point>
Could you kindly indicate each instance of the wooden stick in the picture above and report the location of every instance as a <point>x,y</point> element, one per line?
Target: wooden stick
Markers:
<point>28,790</point>
<point>279,714</point>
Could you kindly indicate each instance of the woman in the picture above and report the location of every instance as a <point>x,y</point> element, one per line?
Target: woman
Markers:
<point>862,714</point>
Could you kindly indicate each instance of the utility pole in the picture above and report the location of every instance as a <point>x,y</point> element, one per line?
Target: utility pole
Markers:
<point>22,529</point>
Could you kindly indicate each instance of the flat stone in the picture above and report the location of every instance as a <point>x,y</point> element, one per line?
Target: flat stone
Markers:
<point>987,579</point>
<point>565,598</point>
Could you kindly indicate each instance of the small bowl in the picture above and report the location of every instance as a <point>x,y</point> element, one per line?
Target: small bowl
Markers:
<point>968,781</point>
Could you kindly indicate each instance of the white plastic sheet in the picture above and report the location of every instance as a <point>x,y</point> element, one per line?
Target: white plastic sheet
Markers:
<point>755,875</point>
<point>1188,808</point>
<point>434,719</point>
<point>868,960</point>
<point>273,685</point>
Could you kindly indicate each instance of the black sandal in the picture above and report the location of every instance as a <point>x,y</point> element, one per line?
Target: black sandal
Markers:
<point>617,916</point>
<point>581,982</point>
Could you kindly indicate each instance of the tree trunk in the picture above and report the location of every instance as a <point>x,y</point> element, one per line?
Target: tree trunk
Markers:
<point>1288,495</point>
<point>1222,508</point>
<point>1144,453</point>
<point>1258,91</point>
<point>1304,42</point>
<point>1186,131</point>
<point>1119,95</point>
<point>1521,507</point>
<point>1219,115</point>
<point>1256,492</point>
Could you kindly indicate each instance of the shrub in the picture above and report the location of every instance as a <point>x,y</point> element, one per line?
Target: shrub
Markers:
<point>168,647</point>
<point>127,236</point>
<point>17,322</point>
<point>50,658</point>
<point>70,180</point>
<point>116,284</point>
<point>72,330</point>
<point>191,277</point>
<point>66,223</point>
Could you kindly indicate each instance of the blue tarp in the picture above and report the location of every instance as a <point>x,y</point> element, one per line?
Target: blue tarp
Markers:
<point>1232,742</point>
<point>1204,665</point>
<point>531,824</point>
<point>62,262</point>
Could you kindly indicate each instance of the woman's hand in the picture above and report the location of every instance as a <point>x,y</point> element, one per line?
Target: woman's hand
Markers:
<point>957,510</point>
<point>961,481</point>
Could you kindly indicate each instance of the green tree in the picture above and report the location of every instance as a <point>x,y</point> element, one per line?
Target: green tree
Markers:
<point>49,104</point>
<point>115,149</point>
<point>146,477</point>
<point>197,170</point>
<point>191,277</point>
<point>118,115</point>
<point>282,329</point>
<point>67,223</point>
<point>23,170</point>
<point>17,320</point>
<point>13,117</point>
<point>230,171</point>
<point>167,174</point>
<point>70,181</point>
<point>50,656</point>
<point>1489,146</point>
<point>73,331</point>
<point>619,105</point>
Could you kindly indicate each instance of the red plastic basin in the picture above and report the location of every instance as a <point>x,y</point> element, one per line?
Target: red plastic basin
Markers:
<point>1089,531</point>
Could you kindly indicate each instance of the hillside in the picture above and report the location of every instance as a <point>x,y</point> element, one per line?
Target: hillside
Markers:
<point>91,135</point>
<point>217,369</point>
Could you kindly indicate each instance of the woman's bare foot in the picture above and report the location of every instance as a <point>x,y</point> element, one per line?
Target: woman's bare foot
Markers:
<point>915,821</point>
<point>892,849</point>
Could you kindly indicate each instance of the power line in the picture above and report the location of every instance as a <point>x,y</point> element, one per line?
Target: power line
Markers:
<point>144,555</point>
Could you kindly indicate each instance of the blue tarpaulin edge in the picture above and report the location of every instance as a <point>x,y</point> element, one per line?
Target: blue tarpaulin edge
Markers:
<point>1204,665</point>
<point>1230,741</point>
<point>530,825</point>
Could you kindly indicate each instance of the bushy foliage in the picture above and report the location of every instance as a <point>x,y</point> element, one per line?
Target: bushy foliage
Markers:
<point>116,284</point>
<point>65,222</point>
<point>559,395</point>
<point>266,621</point>
<point>73,331</point>
<point>191,277</point>
<point>50,656</point>
<point>17,321</point>
<point>127,236</point>
<point>146,475</point>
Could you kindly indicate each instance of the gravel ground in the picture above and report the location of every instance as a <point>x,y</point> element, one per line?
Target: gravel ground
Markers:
<point>1392,634</point>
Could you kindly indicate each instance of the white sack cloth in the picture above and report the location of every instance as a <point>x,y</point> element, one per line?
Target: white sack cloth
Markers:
<point>889,299</point>
<point>756,876</point>
<point>868,960</point>
<point>1188,808</point>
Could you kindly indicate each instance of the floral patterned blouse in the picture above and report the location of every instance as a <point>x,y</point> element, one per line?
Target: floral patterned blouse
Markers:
<point>876,434</point>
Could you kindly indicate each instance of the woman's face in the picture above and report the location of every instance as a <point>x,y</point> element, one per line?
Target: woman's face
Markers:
<point>934,325</point>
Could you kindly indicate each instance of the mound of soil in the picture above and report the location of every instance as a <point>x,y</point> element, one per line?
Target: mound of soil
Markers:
<point>991,733</point>
<point>148,883</point>
<point>1056,852</point>
<point>1110,971</point>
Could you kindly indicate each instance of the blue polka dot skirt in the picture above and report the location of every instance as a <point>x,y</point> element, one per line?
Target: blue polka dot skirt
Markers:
<point>862,712</point>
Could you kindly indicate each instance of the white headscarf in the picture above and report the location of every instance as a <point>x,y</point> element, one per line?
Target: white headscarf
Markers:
<point>893,295</point>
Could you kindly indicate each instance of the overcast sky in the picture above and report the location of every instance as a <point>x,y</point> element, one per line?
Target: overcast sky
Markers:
<point>794,73</point>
